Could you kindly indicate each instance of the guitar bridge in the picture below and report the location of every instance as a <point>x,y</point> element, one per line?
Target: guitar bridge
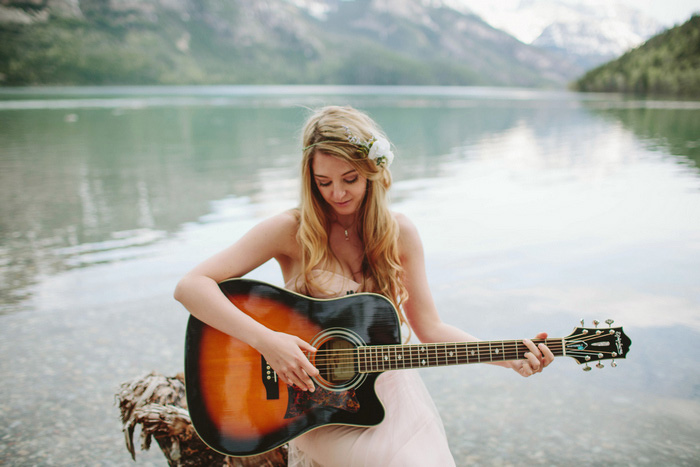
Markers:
<point>269,380</point>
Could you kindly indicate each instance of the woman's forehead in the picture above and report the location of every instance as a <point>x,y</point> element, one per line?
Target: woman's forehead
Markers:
<point>327,165</point>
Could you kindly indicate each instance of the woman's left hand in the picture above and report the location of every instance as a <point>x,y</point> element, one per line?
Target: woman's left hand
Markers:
<point>536,359</point>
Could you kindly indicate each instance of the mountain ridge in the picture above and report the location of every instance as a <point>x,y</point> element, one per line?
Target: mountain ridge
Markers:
<point>667,64</point>
<point>264,42</point>
<point>590,32</point>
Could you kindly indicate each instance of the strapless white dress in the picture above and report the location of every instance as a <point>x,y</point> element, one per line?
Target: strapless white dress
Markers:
<point>412,433</point>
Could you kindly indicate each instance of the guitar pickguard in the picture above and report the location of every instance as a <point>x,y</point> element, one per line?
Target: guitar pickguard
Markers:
<point>302,402</point>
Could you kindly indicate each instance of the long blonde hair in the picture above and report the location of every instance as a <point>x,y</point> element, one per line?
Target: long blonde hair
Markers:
<point>326,131</point>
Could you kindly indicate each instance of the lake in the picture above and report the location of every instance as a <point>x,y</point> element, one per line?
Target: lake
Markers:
<point>536,209</point>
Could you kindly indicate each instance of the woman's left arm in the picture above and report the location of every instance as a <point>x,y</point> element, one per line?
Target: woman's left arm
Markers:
<point>422,314</point>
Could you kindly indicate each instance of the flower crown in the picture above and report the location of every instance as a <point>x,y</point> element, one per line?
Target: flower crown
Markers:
<point>376,148</point>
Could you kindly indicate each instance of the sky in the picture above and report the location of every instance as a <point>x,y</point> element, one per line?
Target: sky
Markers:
<point>669,12</point>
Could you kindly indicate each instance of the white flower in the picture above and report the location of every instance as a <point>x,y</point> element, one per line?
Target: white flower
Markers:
<point>380,152</point>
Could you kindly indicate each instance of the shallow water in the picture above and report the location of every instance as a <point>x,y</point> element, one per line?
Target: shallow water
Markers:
<point>536,209</point>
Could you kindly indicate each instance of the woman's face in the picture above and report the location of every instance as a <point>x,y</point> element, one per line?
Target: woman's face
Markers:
<point>341,186</point>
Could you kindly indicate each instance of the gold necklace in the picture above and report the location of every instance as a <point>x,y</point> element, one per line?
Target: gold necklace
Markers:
<point>345,229</point>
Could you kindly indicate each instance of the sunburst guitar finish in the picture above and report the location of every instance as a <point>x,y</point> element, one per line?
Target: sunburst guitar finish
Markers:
<point>240,407</point>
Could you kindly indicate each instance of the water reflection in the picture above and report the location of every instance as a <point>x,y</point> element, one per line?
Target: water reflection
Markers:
<point>109,180</point>
<point>97,183</point>
<point>673,130</point>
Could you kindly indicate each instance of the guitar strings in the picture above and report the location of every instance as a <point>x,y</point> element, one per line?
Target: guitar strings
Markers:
<point>554,344</point>
<point>372,357</point>
<point>381,356</point>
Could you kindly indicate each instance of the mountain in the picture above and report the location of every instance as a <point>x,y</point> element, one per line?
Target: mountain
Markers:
<point>264,42</point>
<point>590,32</point>
<point>667,64</point>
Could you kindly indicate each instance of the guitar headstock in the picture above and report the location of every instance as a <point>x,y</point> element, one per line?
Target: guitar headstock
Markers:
<point>587,345</point>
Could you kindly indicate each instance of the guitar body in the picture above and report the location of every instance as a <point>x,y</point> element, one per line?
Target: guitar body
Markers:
<point>239,407</point>
<point>236,402</point>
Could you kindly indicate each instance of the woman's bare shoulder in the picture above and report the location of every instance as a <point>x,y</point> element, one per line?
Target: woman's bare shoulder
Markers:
<point>286,220</point>
<point>406,226</point>
<point>409,238</point>
<point>283,228</point>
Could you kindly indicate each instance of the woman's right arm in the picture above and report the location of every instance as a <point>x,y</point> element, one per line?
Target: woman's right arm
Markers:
<point>199,292</point>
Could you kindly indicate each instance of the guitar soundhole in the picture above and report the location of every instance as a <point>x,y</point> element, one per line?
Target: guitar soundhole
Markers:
<point>335,361</point>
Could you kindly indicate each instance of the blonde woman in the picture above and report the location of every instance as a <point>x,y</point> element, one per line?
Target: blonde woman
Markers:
<point>342,238</point>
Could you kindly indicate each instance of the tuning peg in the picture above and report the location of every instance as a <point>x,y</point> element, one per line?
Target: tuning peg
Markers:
<point>609,322</point>
<point>582,325</point>
<point>600,365</point>
<point>613,364</point>
<point>596,322</point>
<point>586,367</point>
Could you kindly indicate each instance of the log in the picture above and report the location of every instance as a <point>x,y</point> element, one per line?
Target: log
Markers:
<point>158,404</point>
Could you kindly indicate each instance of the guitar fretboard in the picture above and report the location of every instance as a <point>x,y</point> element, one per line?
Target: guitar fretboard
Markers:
<point>374,359</point>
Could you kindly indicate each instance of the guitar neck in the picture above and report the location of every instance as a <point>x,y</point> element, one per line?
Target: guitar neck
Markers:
<point>379,358</point>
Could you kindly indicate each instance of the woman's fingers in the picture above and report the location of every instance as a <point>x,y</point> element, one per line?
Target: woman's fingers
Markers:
<point>289,361</point>
<point>305,370</point>
<point>538,357</point>
<point>548,355</point>
<point>534,356</point>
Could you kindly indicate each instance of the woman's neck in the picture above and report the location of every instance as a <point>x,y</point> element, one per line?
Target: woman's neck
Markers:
<point>346,221</point>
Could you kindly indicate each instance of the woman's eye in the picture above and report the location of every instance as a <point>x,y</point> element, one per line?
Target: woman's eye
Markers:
<point>351,181</point>
<point>324,184</point>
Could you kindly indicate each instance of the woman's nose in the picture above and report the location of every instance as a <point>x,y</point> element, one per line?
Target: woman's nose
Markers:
<point>338,193</point>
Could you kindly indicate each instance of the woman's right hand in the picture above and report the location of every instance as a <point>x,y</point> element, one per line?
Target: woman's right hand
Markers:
<point>285,354</point>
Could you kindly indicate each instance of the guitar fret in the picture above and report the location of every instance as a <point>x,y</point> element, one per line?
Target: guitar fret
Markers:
<point>514,354</point>
<point>398,358</point>
<point>380,358</point>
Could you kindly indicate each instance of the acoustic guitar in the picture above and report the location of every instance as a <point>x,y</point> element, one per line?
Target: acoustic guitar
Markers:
<point>240,407</point>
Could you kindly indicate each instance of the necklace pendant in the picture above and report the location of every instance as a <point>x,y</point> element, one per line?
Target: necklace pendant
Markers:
<point>347,237</point>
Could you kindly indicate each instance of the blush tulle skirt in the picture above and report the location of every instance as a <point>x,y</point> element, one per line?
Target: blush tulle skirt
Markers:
<point>411,434</point>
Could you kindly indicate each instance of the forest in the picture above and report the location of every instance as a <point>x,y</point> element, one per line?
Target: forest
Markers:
<point>666,65</point>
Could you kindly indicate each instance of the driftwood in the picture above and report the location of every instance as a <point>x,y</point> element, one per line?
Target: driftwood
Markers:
<point>159,405</point>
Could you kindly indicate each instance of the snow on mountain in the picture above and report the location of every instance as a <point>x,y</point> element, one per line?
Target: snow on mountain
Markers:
<point>319,9</point>
<point>591,30</point>
<point>584,32</point>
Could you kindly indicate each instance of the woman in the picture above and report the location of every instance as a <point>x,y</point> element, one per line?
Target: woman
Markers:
<point>343,238</point>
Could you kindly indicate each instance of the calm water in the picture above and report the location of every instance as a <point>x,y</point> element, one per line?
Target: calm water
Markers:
<point>536,209</point>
